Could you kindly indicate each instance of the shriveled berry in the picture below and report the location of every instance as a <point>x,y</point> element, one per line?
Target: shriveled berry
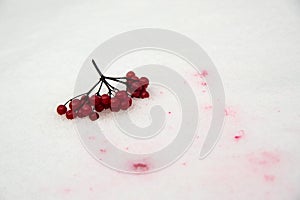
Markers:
<point>86,109</point>
<point>115,109</point>
<point>136,86</point>
<point>121,94</point>
<point>61,109</point>
<point>80,114</point>
<point>99,108</point>
<point>144,94</point>
<point>70,114</point>
<point>94,116</point>
<point>124,104</point>
<point>132,80</point>
<point>115,102</point>
<point>84,98</point>
<point>144,82</point>
<point>95,100</point>
<point>130,74</point>
<point>74,104</point>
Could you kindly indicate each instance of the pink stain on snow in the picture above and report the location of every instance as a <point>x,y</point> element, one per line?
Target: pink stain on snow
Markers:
<point>204,84</point>
<point>67,190</point>
<point>103,150</point>
<point>230,112</point>
<point>92,137</point>
<point>169,112</point>
<point>140,167</point>
<point>269,178</point>
<point>201,74</point>
<point>239,135</point>
<point>208,107</point>
<point>265,158</point>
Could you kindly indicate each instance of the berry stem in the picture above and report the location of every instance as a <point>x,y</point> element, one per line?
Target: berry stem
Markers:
<point>116,79</point>
<point>96,67</point>
<point>98,92</point>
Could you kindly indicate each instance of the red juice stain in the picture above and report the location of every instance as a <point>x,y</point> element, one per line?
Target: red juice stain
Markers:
<point>204,84</point>
<point>91,189</point>
<point>269,178</point>
<point>208,107</point>
<point>169,112</point>
<point>184,163</point>
<point>239,135</point>
<point>229,112</point>
<point>103,150</point>
<point>265,158</point>
<point>67,190</point>
<point>92,137</point>
<point>201,74</point>
<point>140,167</point>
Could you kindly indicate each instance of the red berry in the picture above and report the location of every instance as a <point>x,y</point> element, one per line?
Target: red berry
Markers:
<point>61,109</point>
<point>132,80</point>
<point>70,114</point>
<point>115,109</point>
<point>84,98</point>
<point>74,104</point>
<point>105,99</point>
<point>125,104</point>
<point>130,74</point>
<point>115,102</point>
<point>130,101</point>
<point>136,86</point>
<point>144,94</point>
<point>121,94</point>
<point>86,110</point>
<point>94,116</point>
<point>80,114</point>
<point>136,94</point>
<point>99,108</point>
<point>144,82</point>
<point>95,100</point>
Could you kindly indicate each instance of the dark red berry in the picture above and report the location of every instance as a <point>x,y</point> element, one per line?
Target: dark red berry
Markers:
<point>130,74</point>
<point>136,94</point>
<point>99,108</point>
<point>94,116</point>
<point>144,94</point>
<point>105,99</point>
<point>95,100</point>
<point>130,101</point>
<point>61,109</point>
<point>70,114</point>
<point>74,104</point>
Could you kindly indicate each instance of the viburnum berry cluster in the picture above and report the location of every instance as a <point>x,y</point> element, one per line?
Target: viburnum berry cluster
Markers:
<point>85,104</point>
